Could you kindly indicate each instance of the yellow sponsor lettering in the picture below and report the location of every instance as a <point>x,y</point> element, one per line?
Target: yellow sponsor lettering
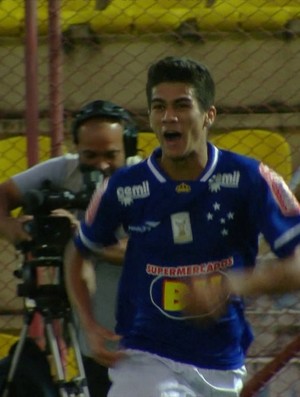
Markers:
<point>172,295</point>
<point>216,279</point>
<point>175,290</point>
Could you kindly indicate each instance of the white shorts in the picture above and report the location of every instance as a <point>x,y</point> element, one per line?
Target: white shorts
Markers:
<point>142,374</point>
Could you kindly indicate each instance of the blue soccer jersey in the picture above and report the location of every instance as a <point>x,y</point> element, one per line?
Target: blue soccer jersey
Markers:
<point>180,229</point>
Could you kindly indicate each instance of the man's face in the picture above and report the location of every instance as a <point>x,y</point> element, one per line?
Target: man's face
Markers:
<point>178,120</point>
<point>101,145</point>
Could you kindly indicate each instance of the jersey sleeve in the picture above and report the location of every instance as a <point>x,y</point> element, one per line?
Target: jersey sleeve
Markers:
<point>102,220</point>
<point>278,211</point>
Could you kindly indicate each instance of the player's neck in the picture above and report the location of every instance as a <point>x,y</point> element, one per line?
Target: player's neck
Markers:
<point>187,169</point>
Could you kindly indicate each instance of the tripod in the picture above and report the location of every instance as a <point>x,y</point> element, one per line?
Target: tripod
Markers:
<point>51,309</point>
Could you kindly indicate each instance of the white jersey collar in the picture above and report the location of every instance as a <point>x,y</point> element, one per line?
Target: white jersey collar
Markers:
<point>213,156</point>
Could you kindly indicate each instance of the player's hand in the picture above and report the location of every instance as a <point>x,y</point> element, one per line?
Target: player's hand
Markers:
<point>98,338</point>
<point>205,301</point>
<point>14,229</point>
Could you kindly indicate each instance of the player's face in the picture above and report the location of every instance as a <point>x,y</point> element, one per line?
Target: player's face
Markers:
<point>101,145</point>
<point>178,120</point>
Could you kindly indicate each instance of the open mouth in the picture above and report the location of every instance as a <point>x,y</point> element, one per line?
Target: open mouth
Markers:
<point>172,135</point>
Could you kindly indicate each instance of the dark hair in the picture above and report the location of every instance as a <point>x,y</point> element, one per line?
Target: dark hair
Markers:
<point>176,69</point>
<point>109,111</point>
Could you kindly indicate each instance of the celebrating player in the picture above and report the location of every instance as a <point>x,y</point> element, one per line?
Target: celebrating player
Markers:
<point>194,214</point>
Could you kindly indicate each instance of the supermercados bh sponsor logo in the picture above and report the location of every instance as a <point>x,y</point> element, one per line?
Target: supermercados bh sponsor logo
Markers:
<point>127,194</point>
<point>230,180</point>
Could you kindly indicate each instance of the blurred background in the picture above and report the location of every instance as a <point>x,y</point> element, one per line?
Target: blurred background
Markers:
<point>57,55</point>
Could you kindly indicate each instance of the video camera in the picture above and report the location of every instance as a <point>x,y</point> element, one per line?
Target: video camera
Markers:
<point>48,197</point>
<point>50,235</point>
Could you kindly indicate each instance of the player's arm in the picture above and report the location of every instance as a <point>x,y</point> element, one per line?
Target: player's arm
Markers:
<point>76,287</point>
<point>277,212</point>
<point>97,231</point>
<point>80,299</point>
<point>278,276</point>
<point>12,228</point>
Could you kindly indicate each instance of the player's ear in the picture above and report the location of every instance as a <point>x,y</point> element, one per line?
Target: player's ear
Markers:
<point>210,117</point>
<point>207,122</point>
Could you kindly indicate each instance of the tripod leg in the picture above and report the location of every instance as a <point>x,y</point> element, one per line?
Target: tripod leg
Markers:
<point>80,387</point>
<point>57,360</point>
<point>15,360</point>
<point>79,362</point>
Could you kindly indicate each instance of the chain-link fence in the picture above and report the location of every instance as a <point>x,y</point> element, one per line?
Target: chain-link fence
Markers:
<point>58,55</point>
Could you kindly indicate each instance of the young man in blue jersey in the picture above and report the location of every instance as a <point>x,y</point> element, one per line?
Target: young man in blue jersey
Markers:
<point>194,215</point>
